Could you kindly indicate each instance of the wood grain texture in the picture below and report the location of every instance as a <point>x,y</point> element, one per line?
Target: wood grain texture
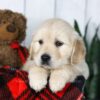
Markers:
<point>37,11</point>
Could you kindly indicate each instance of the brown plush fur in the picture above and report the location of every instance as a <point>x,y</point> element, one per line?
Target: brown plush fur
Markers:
<point>12,27</point>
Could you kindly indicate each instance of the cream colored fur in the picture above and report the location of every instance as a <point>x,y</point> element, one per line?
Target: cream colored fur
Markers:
<point>67,61</point>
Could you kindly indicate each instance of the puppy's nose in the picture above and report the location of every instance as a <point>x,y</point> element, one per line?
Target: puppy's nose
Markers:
<point>45,58</point>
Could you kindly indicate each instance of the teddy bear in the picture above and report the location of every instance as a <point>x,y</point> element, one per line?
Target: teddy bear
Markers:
<point>12,33</point>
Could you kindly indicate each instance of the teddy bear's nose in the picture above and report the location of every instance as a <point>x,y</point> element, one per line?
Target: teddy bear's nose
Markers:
<point>11,28</point>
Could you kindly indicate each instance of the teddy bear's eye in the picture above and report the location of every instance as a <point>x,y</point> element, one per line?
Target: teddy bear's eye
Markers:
<point>58,43</point>
<point>0,21</point>
<point>41,42</point>
<point>13,23</point>
<point>4,22</point>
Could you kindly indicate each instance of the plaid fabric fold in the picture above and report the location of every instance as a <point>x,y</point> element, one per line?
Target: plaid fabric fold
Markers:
<point>14,86</point>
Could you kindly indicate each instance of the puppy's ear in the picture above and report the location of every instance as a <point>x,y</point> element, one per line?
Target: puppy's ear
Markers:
<point>31,52</point>
<point>78,51</point>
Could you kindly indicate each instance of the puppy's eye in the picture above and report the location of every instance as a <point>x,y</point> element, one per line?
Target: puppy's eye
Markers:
<point>58,43</point>
<point>41,42</point>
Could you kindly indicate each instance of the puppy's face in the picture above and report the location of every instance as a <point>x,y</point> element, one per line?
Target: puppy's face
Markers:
<point>53,44</point>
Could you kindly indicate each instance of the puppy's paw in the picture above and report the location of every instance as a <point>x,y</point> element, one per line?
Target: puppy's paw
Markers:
<point>57,83</point>
<point>37,79</point>
<point>37,83</point>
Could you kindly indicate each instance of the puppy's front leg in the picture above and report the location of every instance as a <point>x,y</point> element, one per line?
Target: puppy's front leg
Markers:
<point>58,79</point>
<point>37,78</point>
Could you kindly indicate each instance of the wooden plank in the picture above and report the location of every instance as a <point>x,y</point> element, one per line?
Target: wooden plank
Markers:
<point>93,11</point>
<point>37,11</point>
<point>15,5</point>
<point>70,10</point>
<point>92,14</point>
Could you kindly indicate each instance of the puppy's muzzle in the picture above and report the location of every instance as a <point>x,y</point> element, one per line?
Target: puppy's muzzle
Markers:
<point>45,59</point>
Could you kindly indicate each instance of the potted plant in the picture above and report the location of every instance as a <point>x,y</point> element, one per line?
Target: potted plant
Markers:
<point>92,86</point>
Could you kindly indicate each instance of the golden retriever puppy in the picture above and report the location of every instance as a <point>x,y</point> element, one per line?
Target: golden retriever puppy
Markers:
<point>57,52</point>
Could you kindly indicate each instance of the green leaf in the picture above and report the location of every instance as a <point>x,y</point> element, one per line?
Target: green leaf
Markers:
<point>86,29</point>
<point>91,50</point>
<point>76,27</point>
<point>85,34</point>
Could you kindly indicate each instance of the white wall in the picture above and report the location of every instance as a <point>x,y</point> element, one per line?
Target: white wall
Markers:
<point>16,5</point>
<point>37,11</point>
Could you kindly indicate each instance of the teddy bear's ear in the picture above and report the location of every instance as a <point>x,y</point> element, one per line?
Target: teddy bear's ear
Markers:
<point>78,51</point>
<point>21,24</point>
<point>7,12</point>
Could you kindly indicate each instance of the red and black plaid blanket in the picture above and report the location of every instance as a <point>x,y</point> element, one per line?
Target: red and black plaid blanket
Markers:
<point>14,86</point>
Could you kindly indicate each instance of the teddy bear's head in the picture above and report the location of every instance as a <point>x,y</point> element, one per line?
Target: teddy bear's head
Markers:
<point>12,26</point>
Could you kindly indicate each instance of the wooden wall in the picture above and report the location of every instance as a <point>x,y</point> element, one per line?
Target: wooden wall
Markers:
<point>37,11</point>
